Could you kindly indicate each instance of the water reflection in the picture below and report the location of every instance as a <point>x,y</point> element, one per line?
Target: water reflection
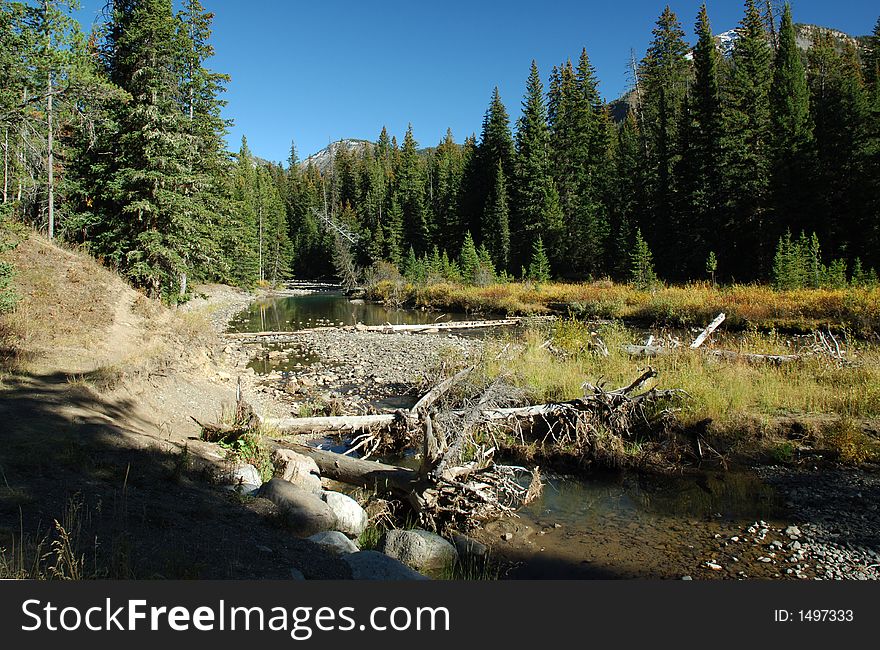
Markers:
<point>331,308</point>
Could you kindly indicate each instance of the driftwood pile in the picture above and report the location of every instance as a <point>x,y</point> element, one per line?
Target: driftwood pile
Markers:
<point>822,345</point>
<point>456,427</point>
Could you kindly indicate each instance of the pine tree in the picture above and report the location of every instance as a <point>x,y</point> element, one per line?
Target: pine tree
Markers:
<point>496,222</point>
<point>468,259</point>
<point>663,75</point>
<point>746,140</point>
<point>539,265</point>
<point>536,205</point>
<point>840,113</point>
<point>642,274</point>
<point>790,130</point>
<point>700,150</point>
<point>628,192</point>
<point>495,148</point>
<point>150,230</point>
<point>410,192</point>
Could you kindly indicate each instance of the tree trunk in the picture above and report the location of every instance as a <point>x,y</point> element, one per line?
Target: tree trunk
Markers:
<point>50,140</point>
<point>364,473</point>
<point>5,164</point>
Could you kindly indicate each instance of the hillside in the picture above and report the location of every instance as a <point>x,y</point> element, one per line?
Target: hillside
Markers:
<point>97,389</point>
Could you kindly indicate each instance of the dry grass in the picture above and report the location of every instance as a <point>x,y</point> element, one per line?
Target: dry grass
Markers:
<point>741,400</point>
<point>74,296</point>
<point>694,304</point>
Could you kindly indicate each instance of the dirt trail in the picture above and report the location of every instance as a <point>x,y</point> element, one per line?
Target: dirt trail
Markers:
<point>96,403</point>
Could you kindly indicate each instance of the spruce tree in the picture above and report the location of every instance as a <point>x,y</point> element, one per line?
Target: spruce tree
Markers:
<point>663,75</point>
<point>150,231</point>
<point>539,265</point>
<point>747,156</point>
<point>496,222</point>
<point>536,205</point>
<point>468,259</point>
<point>410,191</point>
<point>642,274</point>
<point>790,133</point>
<point>628,193</point>
<point>580,144</point>
<point>842,163</point>
<point>448,161</point>
<point>495,148</point>
<point>700,150</point>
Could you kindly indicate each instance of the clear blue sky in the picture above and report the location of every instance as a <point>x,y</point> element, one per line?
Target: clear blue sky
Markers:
<point>317,71</point>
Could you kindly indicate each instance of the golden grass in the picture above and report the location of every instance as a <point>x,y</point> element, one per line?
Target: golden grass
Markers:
<point>727,392</point>
<point>694,304</point>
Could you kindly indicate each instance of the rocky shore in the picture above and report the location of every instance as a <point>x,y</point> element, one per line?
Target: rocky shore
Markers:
<point>827,526</point>
<point>358,372</point>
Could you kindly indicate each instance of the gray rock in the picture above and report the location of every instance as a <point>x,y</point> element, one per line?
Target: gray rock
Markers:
<point>793,531</point>
<point>350,517</point>
<point>303,512</point>
<point>298,469</point>
<point>247,474</point>
<point>244,489</point>
<point>335,542</point>
<point>372,565</point>
<point>468,546</point>
<point>419,549</point>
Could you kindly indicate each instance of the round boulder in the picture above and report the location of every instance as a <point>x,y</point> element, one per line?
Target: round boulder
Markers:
<point>419,549</point>
<point>244,489</point>
<point>351,518</point>
<point>468,546</point>
<point>335,542</point>
<point>243,474</point>
<point>372,565</point>
<point>298,469</point>
<point>303,512</point>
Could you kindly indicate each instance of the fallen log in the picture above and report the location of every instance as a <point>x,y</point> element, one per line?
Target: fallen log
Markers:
<point>334,423</point>
<point>389,328</point>
<point>775,359</point>
<point>708,331</point>
<point>437,392</point>
<point>362,473</point>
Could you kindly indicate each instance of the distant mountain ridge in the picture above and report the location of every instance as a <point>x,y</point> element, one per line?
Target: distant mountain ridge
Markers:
<point>323,159</point>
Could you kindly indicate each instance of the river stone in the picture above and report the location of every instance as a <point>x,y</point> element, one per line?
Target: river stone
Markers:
<point>419,549</point>
<point>246,474</point>
<point>372,565</point>
<point>351,518</point>
<point>303,512</point>
<point>244,489</point>
<point>298,469</point>
<point>335,542</point>
<point>468,546</point>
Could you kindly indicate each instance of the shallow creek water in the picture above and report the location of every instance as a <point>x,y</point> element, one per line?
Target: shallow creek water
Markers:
<point>608,525</point>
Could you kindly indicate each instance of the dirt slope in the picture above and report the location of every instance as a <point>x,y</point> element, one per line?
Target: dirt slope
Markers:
<point>96,403</point>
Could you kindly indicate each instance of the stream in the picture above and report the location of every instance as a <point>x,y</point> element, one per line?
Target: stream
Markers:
<point>601,525</point>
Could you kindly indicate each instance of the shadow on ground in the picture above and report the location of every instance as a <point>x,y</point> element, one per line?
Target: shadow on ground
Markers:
<point>134,505</point>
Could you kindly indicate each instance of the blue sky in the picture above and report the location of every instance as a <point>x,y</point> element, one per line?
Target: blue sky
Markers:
<point>318,71</point>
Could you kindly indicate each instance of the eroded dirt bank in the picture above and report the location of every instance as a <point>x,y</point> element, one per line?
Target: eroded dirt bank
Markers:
<point>98,387</point>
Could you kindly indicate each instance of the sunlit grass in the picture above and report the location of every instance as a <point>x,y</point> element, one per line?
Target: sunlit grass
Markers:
<point>688,305</point>
<point>725,391</point>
